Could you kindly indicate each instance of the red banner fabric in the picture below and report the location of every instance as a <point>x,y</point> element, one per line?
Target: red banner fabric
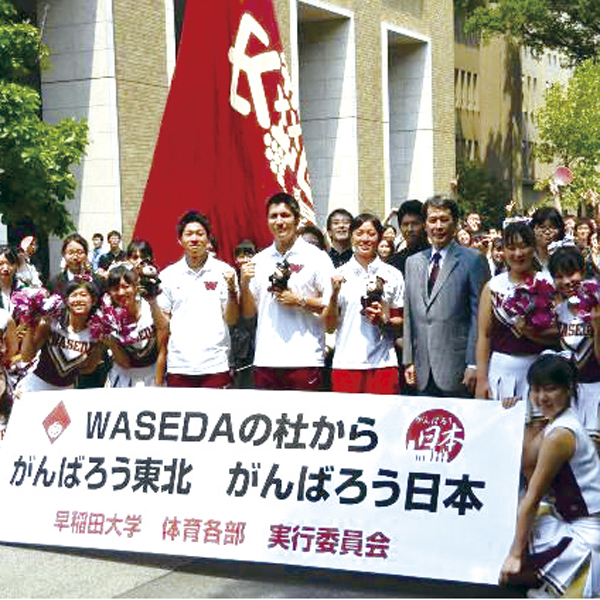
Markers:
<point>230,135</point>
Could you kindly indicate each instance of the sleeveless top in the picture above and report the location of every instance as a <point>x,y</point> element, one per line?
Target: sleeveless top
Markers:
<point>576,486</point>
<point>504,337</point>
<point>143,348</point>
<point>577,336</point>
<point>63,354</point>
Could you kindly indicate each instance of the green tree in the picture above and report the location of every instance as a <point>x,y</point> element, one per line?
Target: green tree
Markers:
<point>570,26</point>
<point>35,157</point>
<point>481,192</point>
<point>568,125</point>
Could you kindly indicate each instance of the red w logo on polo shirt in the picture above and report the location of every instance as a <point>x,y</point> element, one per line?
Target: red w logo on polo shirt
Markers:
<point>210,285</point>
<point>296,268</point>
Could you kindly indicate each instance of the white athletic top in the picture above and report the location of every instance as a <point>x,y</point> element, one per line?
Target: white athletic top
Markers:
<point>360,344</point>
<point>577,484</point>
<point>196,301</point>
<point>290,336</point>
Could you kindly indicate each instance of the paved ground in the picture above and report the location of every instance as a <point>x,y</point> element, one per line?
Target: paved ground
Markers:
<point>28,572</point>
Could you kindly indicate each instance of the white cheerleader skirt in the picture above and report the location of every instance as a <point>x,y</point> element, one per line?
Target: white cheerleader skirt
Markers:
<point>135,377</point>
<point>507,378</point>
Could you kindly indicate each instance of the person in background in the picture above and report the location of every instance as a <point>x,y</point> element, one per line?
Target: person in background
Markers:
<point>556,546</point>
<point>412,228</point>
<point>390,234</point>
<point>463,237</point>
<point>313,235</point>
<point>548,227</point>
<point>9,282</point>
<point>137,252</point>
<point>385,250</point>
<point>442,288</point>
<point>27,271</point>
<point>496,258</point>
<point>287,286</point>
<point>584,229</point>
<point>97,250</point>
<point>569,222</point>
<point>480,242</point>
<point>338,230</point>
<point>200,299</point>
<point>365,307</point>
<point>76,266</point>
<point>114,256</point>
<point>473,223</point>
<point>243,335</point>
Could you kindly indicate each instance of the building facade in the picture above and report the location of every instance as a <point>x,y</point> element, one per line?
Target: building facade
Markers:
<point>375,81</point>
<point>498,88</point>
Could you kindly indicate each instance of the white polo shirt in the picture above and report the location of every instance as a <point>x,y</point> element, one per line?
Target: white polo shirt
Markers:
<point>359,343</point>
<point>291,336</point>
<point>196,301</point>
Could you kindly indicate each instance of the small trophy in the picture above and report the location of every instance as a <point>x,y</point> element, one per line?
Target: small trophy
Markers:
<point>281,276</point>
<point>149,280</point>
<point>374,292</point>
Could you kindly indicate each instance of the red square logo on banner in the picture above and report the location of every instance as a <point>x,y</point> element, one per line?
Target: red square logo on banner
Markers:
<point>56,422</point>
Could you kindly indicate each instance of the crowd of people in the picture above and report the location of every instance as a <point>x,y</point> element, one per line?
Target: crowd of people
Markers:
<point>416,304</point>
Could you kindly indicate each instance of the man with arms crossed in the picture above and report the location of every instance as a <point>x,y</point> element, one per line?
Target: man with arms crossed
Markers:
<point>290,332</point>
<point>200,298</point>
<point>442,288</point>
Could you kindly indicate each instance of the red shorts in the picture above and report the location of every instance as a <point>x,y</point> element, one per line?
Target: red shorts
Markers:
<point>308,379</point>
<point>373,381</point>
<point>211,380</point>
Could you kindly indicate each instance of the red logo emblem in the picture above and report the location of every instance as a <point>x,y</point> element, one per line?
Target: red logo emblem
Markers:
<point>210,285</point>
<point>296,268</point>
<point>436,436</point>
<point>56,422</point>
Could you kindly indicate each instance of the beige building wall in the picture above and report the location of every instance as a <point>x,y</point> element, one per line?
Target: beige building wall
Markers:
<point>498,89</point>
<point>391,84</point>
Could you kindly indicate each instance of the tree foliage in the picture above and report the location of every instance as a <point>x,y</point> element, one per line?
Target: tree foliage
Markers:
<point>481,192</point>
<point>569,26</point>
<point>35,157</point>
<point>568,126</point>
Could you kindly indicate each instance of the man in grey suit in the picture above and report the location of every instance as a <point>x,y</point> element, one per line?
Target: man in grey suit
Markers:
<point>442,287</point>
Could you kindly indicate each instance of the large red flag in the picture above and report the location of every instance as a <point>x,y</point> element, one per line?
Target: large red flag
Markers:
<point>230,135</point>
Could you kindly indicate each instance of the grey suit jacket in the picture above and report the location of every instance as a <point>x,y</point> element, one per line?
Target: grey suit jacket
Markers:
<point>440,330</point>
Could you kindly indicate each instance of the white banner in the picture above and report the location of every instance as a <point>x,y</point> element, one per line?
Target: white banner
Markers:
<point>423,487</point>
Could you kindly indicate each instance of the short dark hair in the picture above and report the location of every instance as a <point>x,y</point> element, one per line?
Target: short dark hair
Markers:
<point>121,272</point>
<point>288,200</point>
<point>363,218</point>
<point>314,230</point>
<point>549,213</point>
<point>410,207</point>
<point>98,235</point>
<point>443,202</point>
<point>143,247</point>
<point>585,221</point>
<point>566,261</point>
<point>553,369</point>
<point>75,284</point>
<point>113,232</point>
<point>193,216</point>
<point>10,253</point>
<point>338,211</point>
<point>75,237</point>
<point>518,230</point>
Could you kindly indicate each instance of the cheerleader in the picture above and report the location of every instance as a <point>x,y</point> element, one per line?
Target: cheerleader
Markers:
<point>579,332</point>
<point>66,343</point>
<point>141,345</point>
<point>556,546</point>
<point>506,347</point>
